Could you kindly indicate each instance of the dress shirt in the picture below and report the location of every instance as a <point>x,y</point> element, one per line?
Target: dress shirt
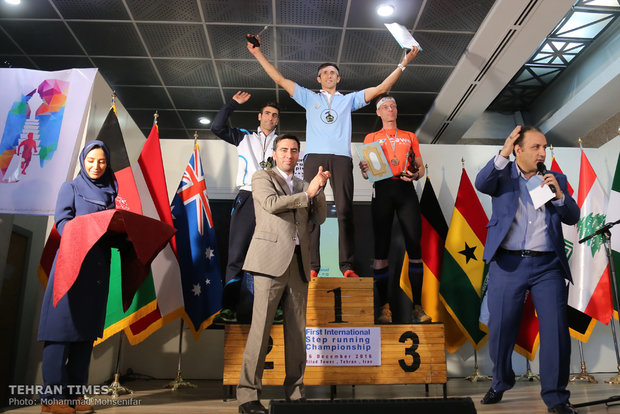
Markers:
<point>528,231</point>
<point>289,181</point>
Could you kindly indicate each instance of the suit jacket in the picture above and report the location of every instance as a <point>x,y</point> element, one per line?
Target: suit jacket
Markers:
<point>503,187</point>
<point>280,217</point>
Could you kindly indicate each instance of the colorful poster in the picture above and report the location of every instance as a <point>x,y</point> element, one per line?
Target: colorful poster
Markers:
<point>42,118</point>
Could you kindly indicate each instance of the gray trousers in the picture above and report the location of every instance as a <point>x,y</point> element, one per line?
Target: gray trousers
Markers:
<point>268,290</point>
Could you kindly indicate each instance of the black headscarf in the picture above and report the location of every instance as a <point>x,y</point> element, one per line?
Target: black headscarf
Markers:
<point>103,190</point>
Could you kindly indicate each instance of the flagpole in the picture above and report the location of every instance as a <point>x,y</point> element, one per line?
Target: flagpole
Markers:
<point>583,375</point>
<point>476,376</point>
<point>179,382</point>
<point>115,388</point>
<point>529,375</point>
<point>612,275</point>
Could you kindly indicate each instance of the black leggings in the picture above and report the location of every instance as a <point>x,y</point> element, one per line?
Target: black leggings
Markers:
<point>396,196</point>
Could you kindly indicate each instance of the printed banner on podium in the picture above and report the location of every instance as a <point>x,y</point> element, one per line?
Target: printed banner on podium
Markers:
<point>343,346</point>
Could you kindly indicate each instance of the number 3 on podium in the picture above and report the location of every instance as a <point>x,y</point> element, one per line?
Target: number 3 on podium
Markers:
<point>415,341</point>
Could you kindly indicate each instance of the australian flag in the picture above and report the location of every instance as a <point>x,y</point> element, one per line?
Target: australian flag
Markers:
<point>196,246</point>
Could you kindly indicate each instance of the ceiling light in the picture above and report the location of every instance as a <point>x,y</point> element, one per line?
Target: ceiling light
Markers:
<point>385,10</point>
<point>204,120</point>
<point>13,2</point>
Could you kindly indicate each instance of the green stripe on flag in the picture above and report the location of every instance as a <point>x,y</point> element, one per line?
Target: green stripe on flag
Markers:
<point>115,317</point>
<point>461,300</point>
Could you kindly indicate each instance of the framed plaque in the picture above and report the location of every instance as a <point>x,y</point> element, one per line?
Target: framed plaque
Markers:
<point>378,166</point>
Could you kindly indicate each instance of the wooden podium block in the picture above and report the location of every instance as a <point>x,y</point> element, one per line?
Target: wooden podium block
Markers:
<point>337,300</point>
<point>410,354</point>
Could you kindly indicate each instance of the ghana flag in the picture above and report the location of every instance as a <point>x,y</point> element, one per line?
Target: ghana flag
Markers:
<point>463,272</point>
<point>434,232</point>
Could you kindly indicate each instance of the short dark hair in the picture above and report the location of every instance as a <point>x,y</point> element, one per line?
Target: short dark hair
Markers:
<point>272,104</point>
<point>519,139</point>
<point>326,64</point>
<point>285,136</point>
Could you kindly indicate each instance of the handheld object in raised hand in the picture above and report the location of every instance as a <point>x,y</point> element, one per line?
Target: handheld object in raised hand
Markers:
<point>254,39</point>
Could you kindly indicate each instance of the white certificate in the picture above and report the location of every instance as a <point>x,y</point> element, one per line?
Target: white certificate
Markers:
<point>539,194</point>
<point>402,36</point>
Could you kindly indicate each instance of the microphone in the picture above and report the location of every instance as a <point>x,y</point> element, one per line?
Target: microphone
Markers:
<point>543,170</point>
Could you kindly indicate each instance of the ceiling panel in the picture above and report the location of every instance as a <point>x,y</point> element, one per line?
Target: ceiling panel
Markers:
<point>186,72</point>
<point>229,42</point>
<point>92,9</point>
<point>135,97</point>
<point>29,10</point>
<point>108,39</point>
<point>454,15</point>
<point>127,71</point>
<point>60,62</point>
<point>7,46</point>
<point>364,14</point>
<point>196,98</point>
<point>175,40</point>
<point>243,74</point>
<point>258,98</point>
<point>441,48</point>
<point>240,11</point>
<point>166,119</point>
<point>319,45</point>
<point>164,10</point>
<point>42,38</point>
<point>188,57</point>
<point>370,47</point>
<point>317,13</point>
<point>190,119</point>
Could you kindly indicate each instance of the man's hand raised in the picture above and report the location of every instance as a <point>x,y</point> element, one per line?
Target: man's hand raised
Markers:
<point>318,182</point>
<point>509,144</point>
<point>241,97</point>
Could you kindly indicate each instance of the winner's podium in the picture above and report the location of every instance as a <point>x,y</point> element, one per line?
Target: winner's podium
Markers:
<point>344,346</point>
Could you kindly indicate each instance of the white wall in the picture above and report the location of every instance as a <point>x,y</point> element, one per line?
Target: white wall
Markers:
<point>157,356</point>
<point>203,358</point>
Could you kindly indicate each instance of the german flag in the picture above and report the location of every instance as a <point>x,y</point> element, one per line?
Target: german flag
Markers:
<point>463,272</point>
<point>434,233</point>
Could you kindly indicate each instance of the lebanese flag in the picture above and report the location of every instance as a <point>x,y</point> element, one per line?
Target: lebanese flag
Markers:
<point>580,324</point>
<point>591,291</point>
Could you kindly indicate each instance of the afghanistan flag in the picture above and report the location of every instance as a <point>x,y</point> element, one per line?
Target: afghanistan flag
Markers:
<point>590,292</point>
<point>580,324</point>
<point>197,247</point>
<point>434,232</point>
<point>463,272</point>
<point>127,199</point>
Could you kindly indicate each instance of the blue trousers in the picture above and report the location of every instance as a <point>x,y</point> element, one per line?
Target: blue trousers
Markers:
<point>64,364</point>
<point>510,276</point>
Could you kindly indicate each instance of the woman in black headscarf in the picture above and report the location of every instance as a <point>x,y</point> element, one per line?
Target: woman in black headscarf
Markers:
<point>69,329</point>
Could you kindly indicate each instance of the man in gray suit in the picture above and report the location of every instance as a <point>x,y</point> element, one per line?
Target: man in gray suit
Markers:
<point>279,258</point>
